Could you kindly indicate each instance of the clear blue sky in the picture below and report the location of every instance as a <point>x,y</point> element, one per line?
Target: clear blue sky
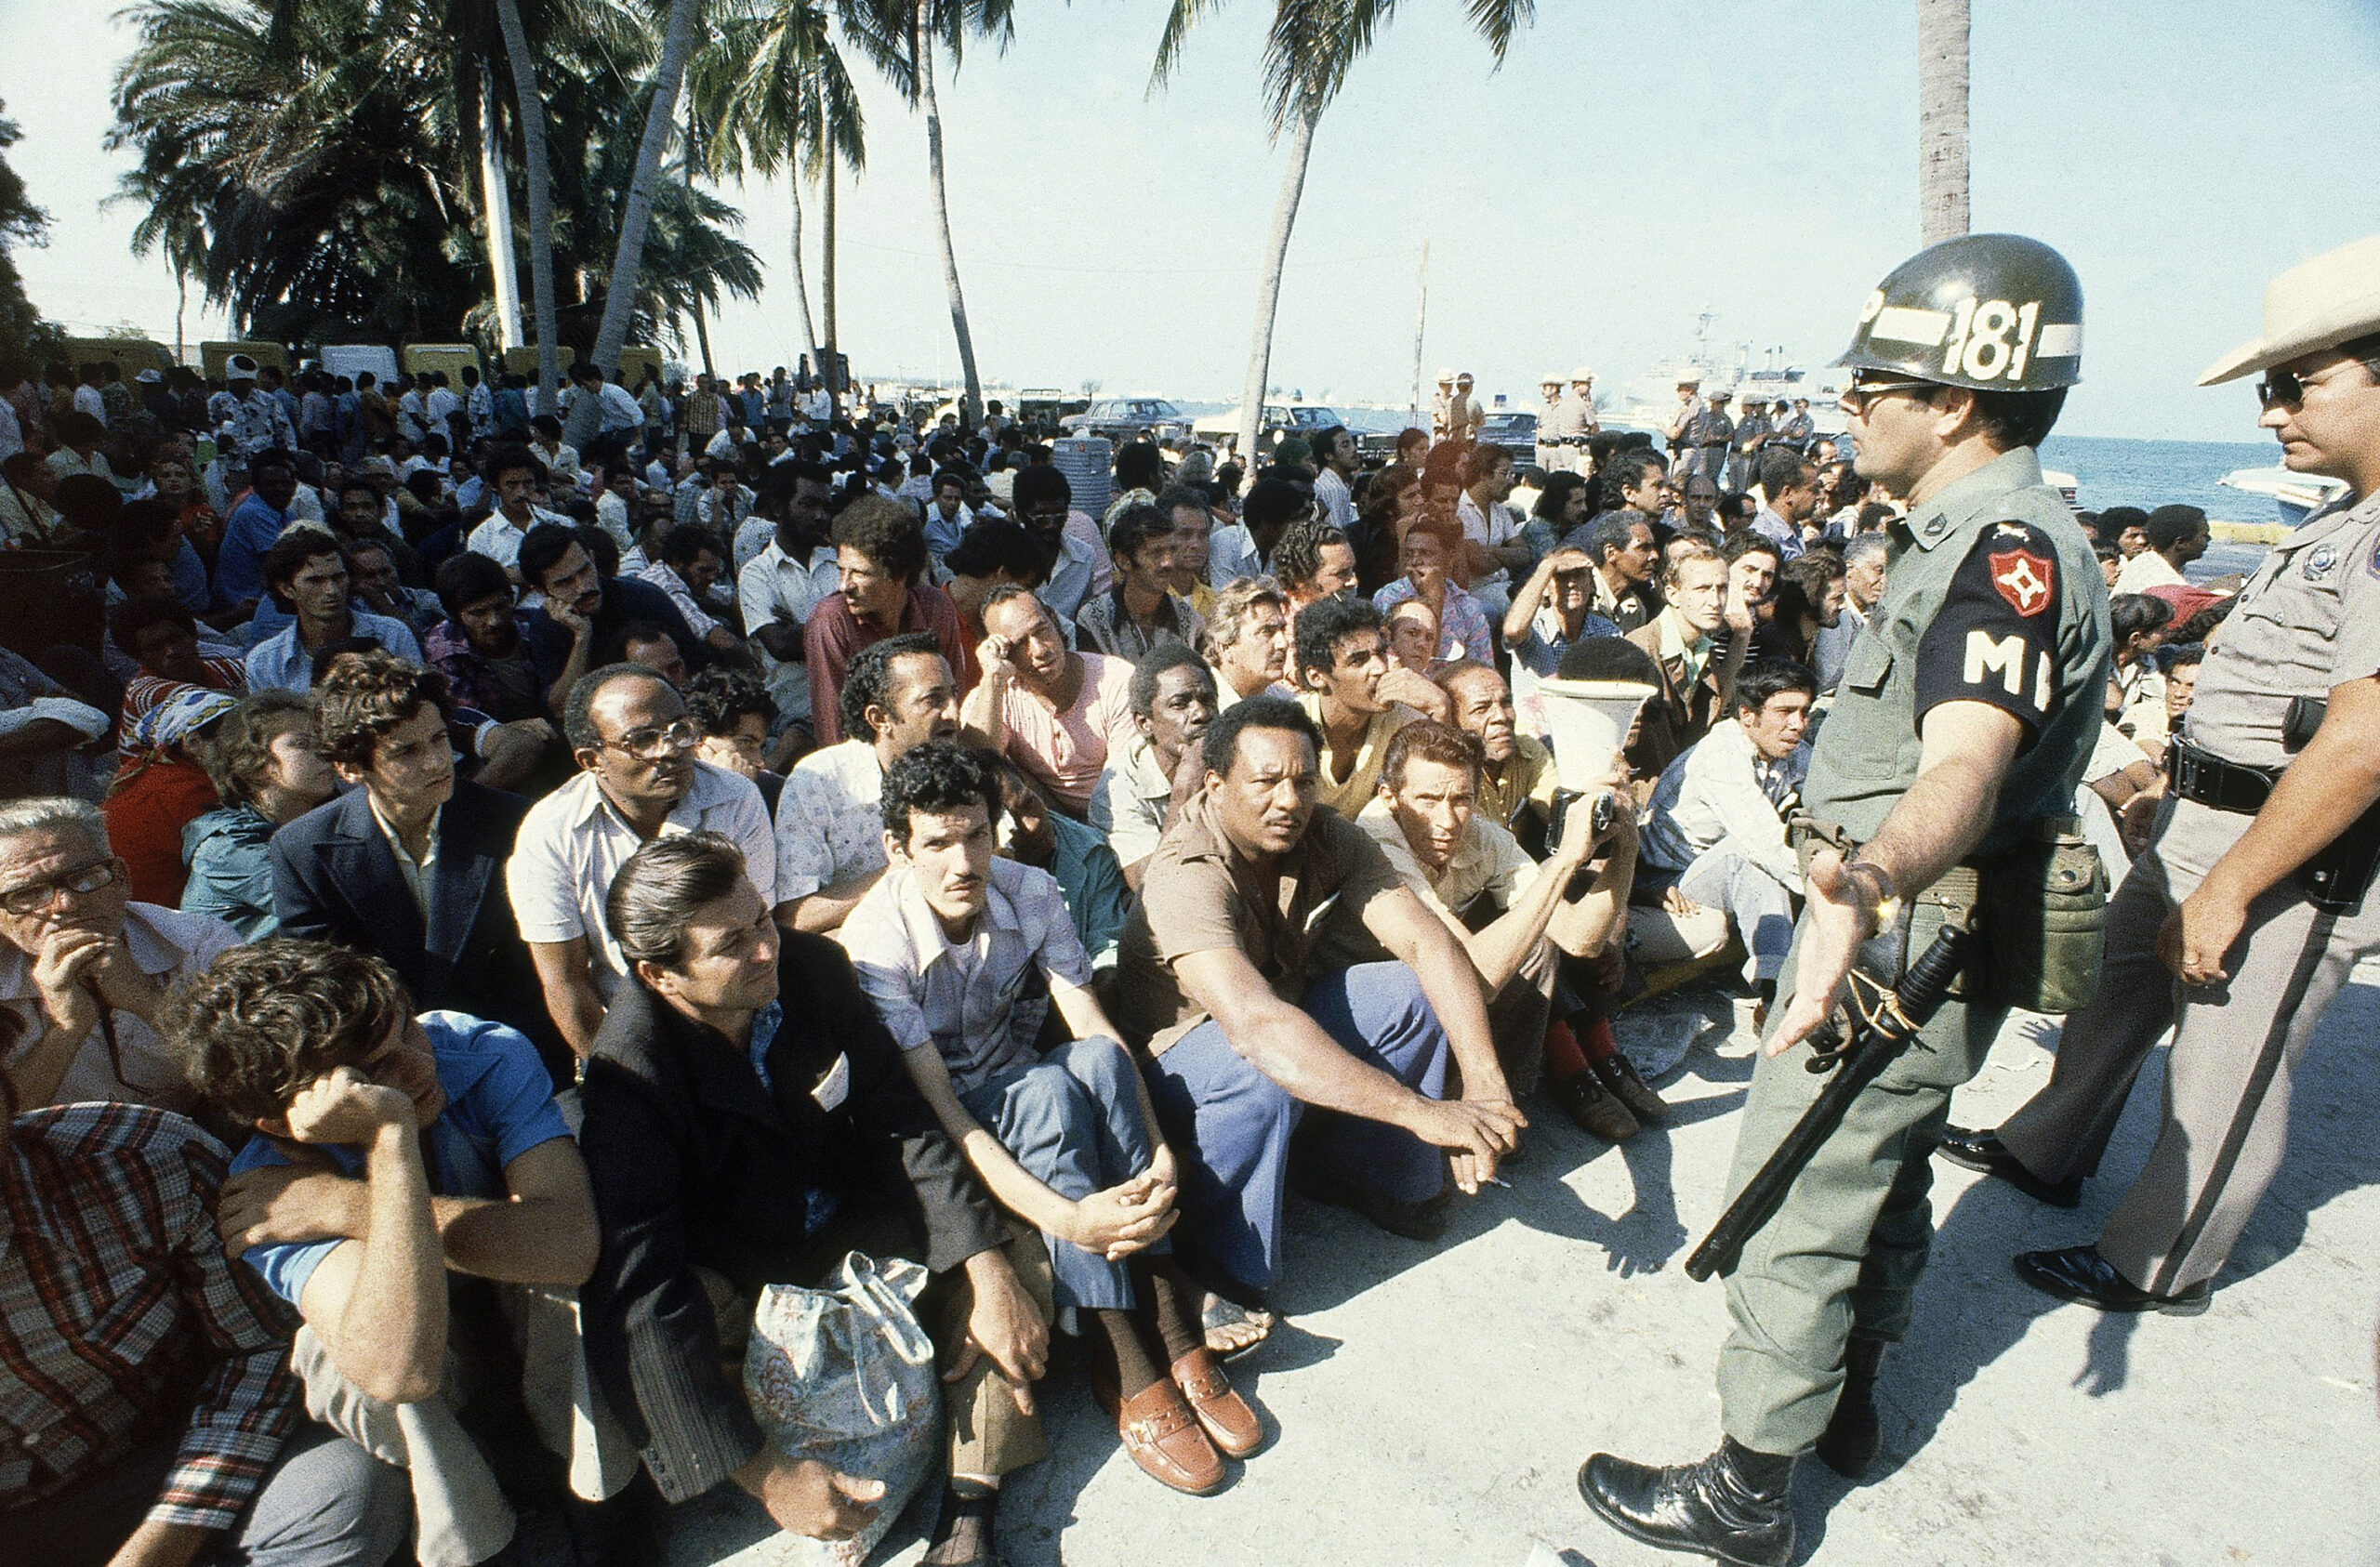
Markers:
<point>1629,166</point>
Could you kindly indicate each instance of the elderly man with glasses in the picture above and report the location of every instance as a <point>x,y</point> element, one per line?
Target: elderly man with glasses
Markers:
<point>85,968</point>
<point>642,781</point>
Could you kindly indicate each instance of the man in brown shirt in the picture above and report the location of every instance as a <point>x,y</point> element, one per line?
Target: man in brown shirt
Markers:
<point>1216,978</point>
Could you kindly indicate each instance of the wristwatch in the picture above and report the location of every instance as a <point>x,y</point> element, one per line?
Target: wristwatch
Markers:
<point>1880,882</point>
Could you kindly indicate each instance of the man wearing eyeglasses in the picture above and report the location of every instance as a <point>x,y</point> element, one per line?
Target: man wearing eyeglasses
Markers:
<point>2253,890</point>
<point>642,781</point>
<point>85,968</point>
<point>1989,650</point>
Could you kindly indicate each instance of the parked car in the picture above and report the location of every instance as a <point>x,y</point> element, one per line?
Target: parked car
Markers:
<point>1516,432</point>
<point>1221,430</point>
<point>1130,418</point>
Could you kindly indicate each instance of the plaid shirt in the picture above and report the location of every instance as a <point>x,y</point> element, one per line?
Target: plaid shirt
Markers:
<point>121,1318</point>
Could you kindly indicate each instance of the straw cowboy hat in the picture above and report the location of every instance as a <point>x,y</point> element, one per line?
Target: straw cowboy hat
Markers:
<point>2334,298</point>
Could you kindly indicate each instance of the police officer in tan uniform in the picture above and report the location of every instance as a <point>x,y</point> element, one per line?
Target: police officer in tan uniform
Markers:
<point>1549,397</point>
<point>1967,712</point>
<point>2242,920</point>
<point>1567,430</point>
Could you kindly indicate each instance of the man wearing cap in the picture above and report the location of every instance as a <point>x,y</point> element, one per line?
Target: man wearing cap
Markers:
<point>1689,408</point>
<point>1706,438</point>
<point>254,421</point>
<point>2251,891</point>
<point>1549,396</point>
<point>1962,724</point>
<point>1571,424</point>
<point>1442,407</point>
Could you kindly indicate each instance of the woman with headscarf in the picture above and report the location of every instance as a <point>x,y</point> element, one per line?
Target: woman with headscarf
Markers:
<point>163,790</point>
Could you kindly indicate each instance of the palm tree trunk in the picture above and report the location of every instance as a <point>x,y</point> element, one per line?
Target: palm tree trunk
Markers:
<point>972,410</point>
<point>495,197</point>
<point>702,331</point>
<point>541,206</point>
<point>825,370</point>
<point>1942,118</point>
<point>800,285</point>
<point>1268,286</point>
<point>628,260</point>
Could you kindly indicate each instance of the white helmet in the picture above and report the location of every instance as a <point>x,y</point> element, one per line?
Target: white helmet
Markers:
<point>1445,377</point>
<point>1582,373</point>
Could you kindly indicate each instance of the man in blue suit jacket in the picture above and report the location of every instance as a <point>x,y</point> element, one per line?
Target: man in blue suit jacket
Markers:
<point>409,865</point>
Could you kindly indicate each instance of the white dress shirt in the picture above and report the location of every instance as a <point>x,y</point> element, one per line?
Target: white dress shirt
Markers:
<point>572,842</point>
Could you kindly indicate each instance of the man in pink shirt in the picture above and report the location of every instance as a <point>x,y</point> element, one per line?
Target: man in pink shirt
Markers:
<point>880,556</point>
<point>1048,709</point>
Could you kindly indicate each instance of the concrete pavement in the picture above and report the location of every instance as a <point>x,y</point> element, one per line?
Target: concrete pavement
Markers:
<point>1434,1402</point>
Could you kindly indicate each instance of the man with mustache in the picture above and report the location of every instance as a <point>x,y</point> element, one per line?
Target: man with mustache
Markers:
<point>642,781</point>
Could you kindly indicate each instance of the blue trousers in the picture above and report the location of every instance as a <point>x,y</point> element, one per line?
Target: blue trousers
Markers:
<point>1725,877</point>
<point>1073,1120</point>
<point>1230,1124</point>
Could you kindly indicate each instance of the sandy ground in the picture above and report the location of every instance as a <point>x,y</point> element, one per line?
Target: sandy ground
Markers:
<point>1434,1402</point>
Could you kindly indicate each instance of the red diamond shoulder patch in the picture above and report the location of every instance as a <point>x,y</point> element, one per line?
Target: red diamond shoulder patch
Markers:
<point>2023,579</point>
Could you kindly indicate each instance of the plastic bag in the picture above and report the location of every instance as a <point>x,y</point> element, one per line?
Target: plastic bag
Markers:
<point>845,1374</point>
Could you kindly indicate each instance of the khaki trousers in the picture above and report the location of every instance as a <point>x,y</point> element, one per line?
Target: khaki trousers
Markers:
<point>2225,1124</point>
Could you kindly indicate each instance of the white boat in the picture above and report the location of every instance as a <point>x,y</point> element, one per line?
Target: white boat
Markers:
<point>2295,495</point>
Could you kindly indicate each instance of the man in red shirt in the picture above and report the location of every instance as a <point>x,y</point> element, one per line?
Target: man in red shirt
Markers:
<point>881,552</point>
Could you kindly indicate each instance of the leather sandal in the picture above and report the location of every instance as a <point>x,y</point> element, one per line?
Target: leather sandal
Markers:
<point>1230,1424</point>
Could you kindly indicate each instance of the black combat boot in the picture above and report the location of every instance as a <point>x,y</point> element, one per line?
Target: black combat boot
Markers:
<point>1737,1505</point>
<point>1853,1435</point>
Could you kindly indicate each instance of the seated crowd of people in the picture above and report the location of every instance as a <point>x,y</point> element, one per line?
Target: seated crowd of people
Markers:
<point>488,910</point>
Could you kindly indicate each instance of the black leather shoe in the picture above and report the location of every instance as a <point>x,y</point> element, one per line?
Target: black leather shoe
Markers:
<point>2080,1274</point>
<point>1854,1436</point>
<point>1984,1150</point>
<point>1735,1505</point>
<point>1425,1220</point>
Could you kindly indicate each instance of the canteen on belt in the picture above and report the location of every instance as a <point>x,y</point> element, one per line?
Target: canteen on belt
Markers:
<point>1587,721</point>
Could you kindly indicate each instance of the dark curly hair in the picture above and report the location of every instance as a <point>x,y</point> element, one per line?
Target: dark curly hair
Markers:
<point>940,777</point>
<point>261,1021</point>
<point>887,533</point>
<point>363,695</point>
<point>1221,743</point>
<point>719,696</point>
<point>1324,625</point>
<point>867,680</point>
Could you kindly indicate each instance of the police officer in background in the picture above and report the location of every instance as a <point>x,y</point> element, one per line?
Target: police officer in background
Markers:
<point>1689,408</point>
<point>1549,397</point>
<point>1571,425</point>
<point>1706,438</point>
<point>2253,890</point>
<point>1965,717</point>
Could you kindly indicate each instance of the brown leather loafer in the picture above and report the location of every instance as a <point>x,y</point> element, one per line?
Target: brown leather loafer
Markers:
<point>1167,1441</point>
<point>1229,1423</point>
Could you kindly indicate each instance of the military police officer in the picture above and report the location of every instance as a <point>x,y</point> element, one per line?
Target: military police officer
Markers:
<point>2252,892</point>
<point>1964,719</point>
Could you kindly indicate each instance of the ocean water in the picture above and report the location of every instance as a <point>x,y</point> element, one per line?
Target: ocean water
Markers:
<point>2153,473</point>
